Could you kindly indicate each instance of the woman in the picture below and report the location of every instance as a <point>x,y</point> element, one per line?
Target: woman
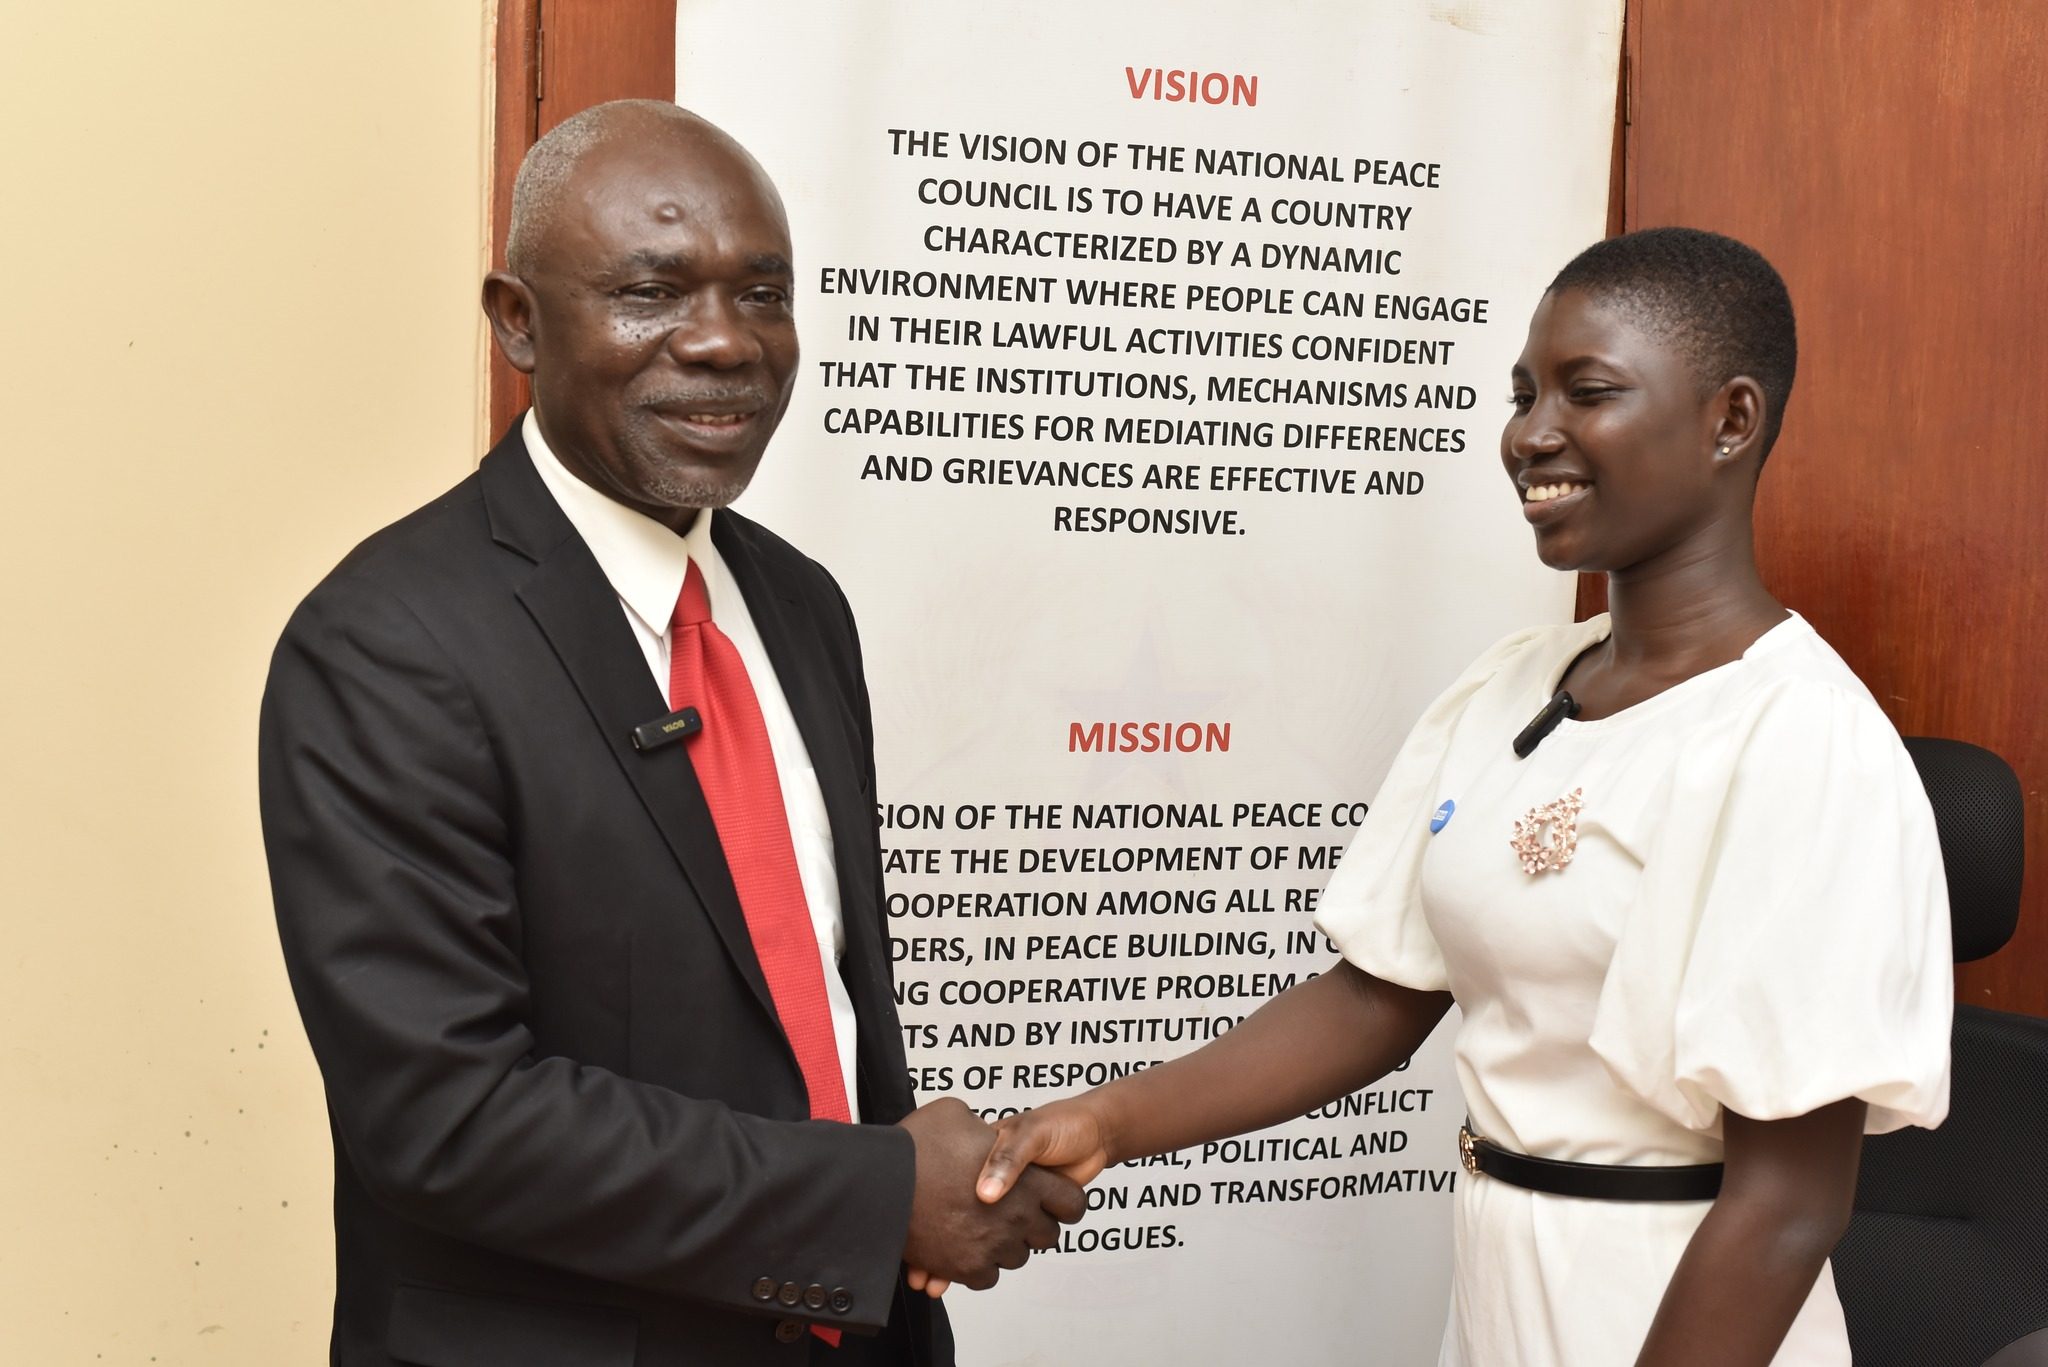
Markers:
<point>1703,921</point>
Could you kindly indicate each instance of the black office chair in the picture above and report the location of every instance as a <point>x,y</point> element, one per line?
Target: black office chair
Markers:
<point>1946,1260</point>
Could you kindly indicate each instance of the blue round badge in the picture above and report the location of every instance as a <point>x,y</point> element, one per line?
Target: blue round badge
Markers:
<point>1442,817</point>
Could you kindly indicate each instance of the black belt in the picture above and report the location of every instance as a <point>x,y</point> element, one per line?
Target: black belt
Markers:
<point>1592,1181</point>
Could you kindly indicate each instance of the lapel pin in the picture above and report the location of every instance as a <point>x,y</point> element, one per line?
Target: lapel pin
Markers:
<point>1442,817</point>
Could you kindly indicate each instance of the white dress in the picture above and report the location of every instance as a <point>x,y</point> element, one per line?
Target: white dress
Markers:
<point>1755,917</point>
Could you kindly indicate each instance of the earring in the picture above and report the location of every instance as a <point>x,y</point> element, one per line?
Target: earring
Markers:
<point>1724,453</point>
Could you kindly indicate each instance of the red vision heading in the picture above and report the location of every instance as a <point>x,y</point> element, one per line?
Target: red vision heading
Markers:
<point>1192,87</point>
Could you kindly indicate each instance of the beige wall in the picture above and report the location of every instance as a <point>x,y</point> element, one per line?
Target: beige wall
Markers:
<point>239,245</point>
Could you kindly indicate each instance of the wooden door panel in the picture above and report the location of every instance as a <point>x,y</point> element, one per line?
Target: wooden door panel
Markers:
<point>1888,156</point>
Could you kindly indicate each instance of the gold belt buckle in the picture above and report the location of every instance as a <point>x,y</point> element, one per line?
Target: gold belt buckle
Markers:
<point>1467,1156</point>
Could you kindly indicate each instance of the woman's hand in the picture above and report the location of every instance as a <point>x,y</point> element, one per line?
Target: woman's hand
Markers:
<point>1335,1033</point>
<point>1071,1137</point>
<point>917,1279</point>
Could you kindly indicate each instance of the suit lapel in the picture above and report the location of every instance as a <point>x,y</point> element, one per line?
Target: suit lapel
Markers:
<point>576,608</point>
<point>795,646</point>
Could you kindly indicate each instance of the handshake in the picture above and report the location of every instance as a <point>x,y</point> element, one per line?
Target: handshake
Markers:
<point>986,1198</point>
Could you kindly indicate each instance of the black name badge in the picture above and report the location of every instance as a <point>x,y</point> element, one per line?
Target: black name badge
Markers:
<point>652,735</point>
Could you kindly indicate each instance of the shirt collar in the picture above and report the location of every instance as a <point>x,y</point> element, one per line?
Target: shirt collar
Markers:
<point>644,560</point>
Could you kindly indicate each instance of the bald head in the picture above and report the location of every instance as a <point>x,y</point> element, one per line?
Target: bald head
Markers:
<point>651,297</point>
<point>548,176</point>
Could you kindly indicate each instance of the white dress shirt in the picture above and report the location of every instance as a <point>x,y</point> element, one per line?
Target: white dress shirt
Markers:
<point>645,563</point>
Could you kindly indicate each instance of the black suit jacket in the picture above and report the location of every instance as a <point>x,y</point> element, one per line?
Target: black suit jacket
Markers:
<point>568,1129</point>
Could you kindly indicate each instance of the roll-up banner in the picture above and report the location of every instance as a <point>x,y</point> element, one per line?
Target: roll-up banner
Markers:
<point>1155,361</point>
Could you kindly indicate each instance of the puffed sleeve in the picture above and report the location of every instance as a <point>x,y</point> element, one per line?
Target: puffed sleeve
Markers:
<point>1788,946</point>
<point>1372,908</point>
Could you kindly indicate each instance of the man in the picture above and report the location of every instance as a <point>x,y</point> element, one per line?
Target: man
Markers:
<point>568,794</point>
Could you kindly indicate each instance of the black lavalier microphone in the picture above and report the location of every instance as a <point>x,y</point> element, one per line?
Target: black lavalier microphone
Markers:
<point>650,735</point>
<point>1554,711</point>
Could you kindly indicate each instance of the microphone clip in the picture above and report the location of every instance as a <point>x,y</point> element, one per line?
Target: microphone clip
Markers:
<point>1556,710</point>
<point>679,725</point>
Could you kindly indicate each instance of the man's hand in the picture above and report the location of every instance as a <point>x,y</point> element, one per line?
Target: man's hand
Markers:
<point>955,1237</point>
<point>1066,1136</point>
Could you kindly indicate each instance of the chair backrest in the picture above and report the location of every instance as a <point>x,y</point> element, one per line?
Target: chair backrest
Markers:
<point>1980,818</point>
<point>1946,1260</point>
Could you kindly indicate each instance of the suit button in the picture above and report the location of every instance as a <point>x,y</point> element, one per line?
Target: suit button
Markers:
<point>764,1289</point>
<point>842,1300</point>
<point>814,1296</point>
<point>790,1294</point>
<point>788,1331</point>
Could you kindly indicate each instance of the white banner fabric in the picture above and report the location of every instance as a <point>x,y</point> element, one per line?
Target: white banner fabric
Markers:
<point>1155,356</point>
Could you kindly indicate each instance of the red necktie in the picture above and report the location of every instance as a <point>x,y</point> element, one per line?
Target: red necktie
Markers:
<point>736,769</point>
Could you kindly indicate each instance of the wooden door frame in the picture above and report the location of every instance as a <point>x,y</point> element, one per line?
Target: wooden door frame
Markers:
<point>1621,216</point>
<point>550,58</point>
<point>515,124</point>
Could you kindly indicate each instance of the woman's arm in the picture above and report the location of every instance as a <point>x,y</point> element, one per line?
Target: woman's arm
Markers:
<point>1310,1045</point>
<point>1785,1200</point>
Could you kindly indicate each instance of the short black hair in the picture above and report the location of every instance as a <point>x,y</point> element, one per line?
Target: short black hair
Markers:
<point>1718,299</point>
